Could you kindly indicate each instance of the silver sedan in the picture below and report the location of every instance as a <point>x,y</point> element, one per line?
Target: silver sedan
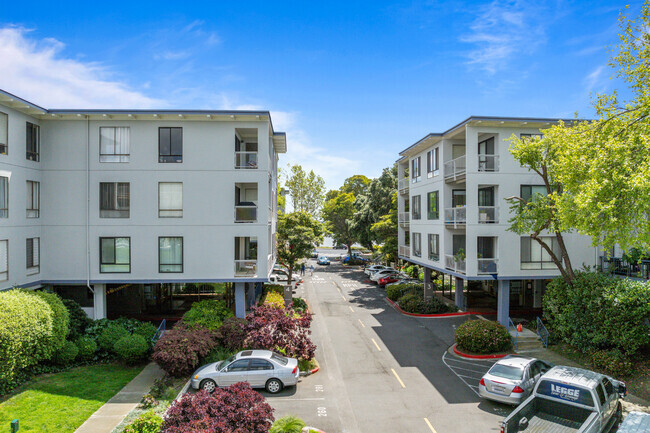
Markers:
<point>260,368</point>
<point>512,379</point>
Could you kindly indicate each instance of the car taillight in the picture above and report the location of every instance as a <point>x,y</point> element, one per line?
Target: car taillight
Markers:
<point>294,370</point>
<point>517,390</point>
<point>482,382</point>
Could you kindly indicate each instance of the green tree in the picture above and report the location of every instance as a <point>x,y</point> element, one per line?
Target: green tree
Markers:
<point>337,214</point>
<point>298,233</point>
<point>357,185</point>
<point>385,231</point>
<point>307,190</point>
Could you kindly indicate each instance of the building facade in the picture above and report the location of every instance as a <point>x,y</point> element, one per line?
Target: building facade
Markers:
<point>453,217</point>
<point>97,201</point>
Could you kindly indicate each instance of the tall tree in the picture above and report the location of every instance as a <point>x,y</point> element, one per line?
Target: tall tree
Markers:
<point>385,231</point>
<point>307,190</point>
<point>337,213</point>
<point>357,185</point>
<point>298,233</point>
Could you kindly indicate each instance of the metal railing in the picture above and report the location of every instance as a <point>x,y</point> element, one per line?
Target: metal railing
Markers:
<point>245,214</point>
<point>488,214</point>
<point>454,264</point>
<point>405,250</point>
<point>488,163</point>
<point>245,268</point>
<point>160,331</point>
<point>488,266</point>
<point>542,332</point>
<point>619,266</point>
<point>403,185</point>
<point>515,337</point>
<point>455,168</point>
<point>245,159</point>
<point>404,217</point>
<point>456,215</point>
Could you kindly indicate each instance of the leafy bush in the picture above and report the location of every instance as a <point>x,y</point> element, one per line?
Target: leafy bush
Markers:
<point>131,348</point>
<point>409,302</point>
<point>612,362</point>
<point>415,303</point>
<point>395,291</point>
<point>60,318</point>
<point>288,424</point>
<point>129,324</point>
<point>96,327</point>
<point>179,350</point>
<point>274,299</point>
<point>218,354</point>
<point>79,320</point>
<point>111,335</point>
<point>599,312</point>
<point>66,353</point>
<point>87,348</point>
<point>146,330</point>
<point>277,288</point>
<point>148,422</point>
<point>299,304</point>
<point>208,314</point>
<point>227,410</point>
<point>148,401</point>
<point>232,333</point>
<point>160,387</point>
<point>482,336</point>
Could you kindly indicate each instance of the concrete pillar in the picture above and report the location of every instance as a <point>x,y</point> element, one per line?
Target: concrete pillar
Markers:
<point>240,300</point>
<point>99,301</point>
<point>503,302</point>
<point>428,287</point>
<point>460,296</point>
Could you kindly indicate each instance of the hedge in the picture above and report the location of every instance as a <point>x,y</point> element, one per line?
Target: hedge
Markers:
<point>111,335</point>
<point>66,353</point>
<point>415,303</point>
<point>395,291</point>
<point>208,314</point>
<point>131,349</point>
<point>60,318</point>
<point>79,320</point>
<point>179,350</point>
<point>482,336</point>
<point>87,348</point>
<point>148,422</point>
<point>274,299</point>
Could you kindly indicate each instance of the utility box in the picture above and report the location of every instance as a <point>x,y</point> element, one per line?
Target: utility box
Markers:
<point>14,426</point>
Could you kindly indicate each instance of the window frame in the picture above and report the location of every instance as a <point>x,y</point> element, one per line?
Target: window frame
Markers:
<point>4,211</point>
<point>171,157</point>
<point>34,268</point>
<point>115,200</point>
<point>4,147</point>
<point>543,264</point>
<point>433,162</point>
<point>416,244</point>
<point>5,273</point>
<point>123,157</point>
<point>437,210</point>
<point>170,210</point>
<point>532,193</point>
<point>416,207</point>
<point>416,169</point>
<point>33,155</point>
<point>182,263</point>
<point>436,238</point>
<point>101,256</point>
<point>36,211</point>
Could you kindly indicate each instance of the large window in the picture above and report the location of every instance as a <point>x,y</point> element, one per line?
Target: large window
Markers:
<point>170,254</point>
<point>4,260</point>
<point>415,169</point>
<point>4,197</point>
<point>4,134</point>
<point>432,206</point>
<point>115,255</point>
<point>33,142</point>
<point>434,247</point>
<point>170,199</point>
<point>245,256</point>
<point>533,256</point>
<point>433,162</point>
<point>114,144</point>
<point>170,144</point>
<point>33,199</point>
<point>529,192</point>
<point>114,199</point>
<point>416,209</point>
<point>417,245</point>
<point>33,255</point>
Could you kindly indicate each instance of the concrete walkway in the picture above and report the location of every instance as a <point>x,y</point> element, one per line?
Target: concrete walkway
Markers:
<point>113,412</point>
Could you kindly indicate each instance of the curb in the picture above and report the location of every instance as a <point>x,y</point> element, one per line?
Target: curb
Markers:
<point>314,370</point>
<point>468,356</point>
<point>460,313</point>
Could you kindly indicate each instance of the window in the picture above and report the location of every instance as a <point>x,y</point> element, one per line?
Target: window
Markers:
<point>416,209</point>
<point>114,199</point>
<point>434,247</point>
<point>170,199</point>
<point>601,394</point>
<point>114,144</point>
<point>4,197</point>
<point>4,260</point>
<point>260,364</point>
<point>415,169</point>
<point>4,134</point>
<point>115,255</point>
<point>486,155</point>
<point>432,206</point>
<point>33,199</point>
<point>533,256</point>
<point>170,144</point>
<point>170,254</point>
<point>33,142</point>
<point>530,191</point>
<point>417,244</point>
<point>246,150</point>
<point>33,256</point>
<point>433,162</point>
<point>239,365</point>
<point>245,256</point>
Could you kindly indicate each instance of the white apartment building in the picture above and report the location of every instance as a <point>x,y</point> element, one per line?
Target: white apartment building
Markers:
<point>126,209</point>
<point>453,217</point>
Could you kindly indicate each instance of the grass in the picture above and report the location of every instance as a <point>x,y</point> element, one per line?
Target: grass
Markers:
<point>61,402</point>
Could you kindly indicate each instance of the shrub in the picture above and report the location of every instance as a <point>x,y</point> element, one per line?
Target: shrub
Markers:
<point>129,324</point>
<point>274,299</point>
<point>233,333</point>
<point>612,362</point>
<point>395,291</point>
<point>208,314</point>
<point>146,330</point>
<point>131,349</point>
<point>482,336</point>
<point>415,303</point>
<point>160,387</point>
<point>148,422</point>
<point>60,318</point>
<point>79,320</point>
<point>111,335</point>
<point>148,401</point>
<point>96,327</point>
<point>66,353</point>
<point>409,302</point>
<point>277,288</point>
<point>288,424</point>
<point>87,348</point>
<point>234,409</point>
<point>299,304</point>
<point>179,350</point>
<point>217,354</point>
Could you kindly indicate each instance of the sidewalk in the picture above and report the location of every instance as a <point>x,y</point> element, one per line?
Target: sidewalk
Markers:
<point>107,417</point>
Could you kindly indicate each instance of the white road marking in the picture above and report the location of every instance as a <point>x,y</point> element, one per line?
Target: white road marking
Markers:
<point>377,345</point>
<point>351,309</point>
<point>467,369</point>
<point>297,399</point>
<point>362,325</point>
<point>430,426</point>
<point>396,376</point>
<point>463,380</point>
<point>468,362</point>
<point>343,298</point>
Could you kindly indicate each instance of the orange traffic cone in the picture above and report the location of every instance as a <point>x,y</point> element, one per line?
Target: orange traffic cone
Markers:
<point>519,327</point>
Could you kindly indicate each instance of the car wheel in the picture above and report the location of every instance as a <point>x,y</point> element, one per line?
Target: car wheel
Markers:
<point>273,386</point>
<point>208,385</point>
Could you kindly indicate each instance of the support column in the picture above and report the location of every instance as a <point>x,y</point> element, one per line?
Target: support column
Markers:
<point>240,300</point>
<point>99,301</point>
<point>459,296</point>
<point>503,302</point>
<point>428,287</point>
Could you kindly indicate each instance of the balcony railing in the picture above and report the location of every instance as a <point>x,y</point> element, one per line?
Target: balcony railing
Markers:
<point>403,185</point>
<point>405,250</point>
<point>455,168</point>
<point>452,263</point>
<point>618,266</point>
<point>456,216</point>
<point>488,163</point>
<point>404,218</point>
<point>488,266</point>
<point>488,214</point>
<point>245,214</point>
<point>245,268</point>
<point>245,159</point>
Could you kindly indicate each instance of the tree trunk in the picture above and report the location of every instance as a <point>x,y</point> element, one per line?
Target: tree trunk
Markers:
<point>350,251</point>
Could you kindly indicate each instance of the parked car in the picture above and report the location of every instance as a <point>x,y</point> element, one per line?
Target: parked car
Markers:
<point>405,280</point>
<point>512,379</point>
<point>392,278</point>
<point>314,254</point>
<point>260,368</point>
<point>376,276</point>
<point>322,260</point>
<point>569,399</point>
<point>374,268</point>
<point>340,247</point>
<point>355,256</point>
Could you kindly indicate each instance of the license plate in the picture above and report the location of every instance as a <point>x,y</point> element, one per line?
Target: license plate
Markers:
<point>500,389</point>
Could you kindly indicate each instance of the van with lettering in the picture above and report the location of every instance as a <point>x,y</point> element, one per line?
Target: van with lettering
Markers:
<point>569,399</point>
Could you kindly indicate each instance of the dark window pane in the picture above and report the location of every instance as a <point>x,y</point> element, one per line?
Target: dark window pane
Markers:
<point>108,250</point>
<point>164,141</point>
<point>177,141</point>
<point>525,249</point>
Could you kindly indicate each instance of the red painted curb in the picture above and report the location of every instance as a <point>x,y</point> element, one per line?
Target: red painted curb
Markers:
<point>315,370</point>
<point>468,356</point>
<point>460,313</point>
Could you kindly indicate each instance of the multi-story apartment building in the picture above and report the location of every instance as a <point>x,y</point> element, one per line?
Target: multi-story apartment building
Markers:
<point>132,207</point>
<point>453,217</point>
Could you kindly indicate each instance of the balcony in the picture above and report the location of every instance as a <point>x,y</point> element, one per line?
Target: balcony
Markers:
<point>454,264</point>
<point>245,214</point>
<point>488,214</point>
<point>245,268</point>
<point>405,250</point>
<point>488,163</point>
<point>488,266</point>
<point>404,218</point>
<point>618,266</point>
<point>403,185</point>
<point>455,169</point>
<point>456,216</point>
<point>246,160</point>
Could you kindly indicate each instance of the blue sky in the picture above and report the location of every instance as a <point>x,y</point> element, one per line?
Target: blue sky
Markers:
<point>352,83</point>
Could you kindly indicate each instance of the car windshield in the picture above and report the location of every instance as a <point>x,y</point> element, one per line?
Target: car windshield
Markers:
<point>507,372</point>
<point>279,358</point>
<point>227,361</point>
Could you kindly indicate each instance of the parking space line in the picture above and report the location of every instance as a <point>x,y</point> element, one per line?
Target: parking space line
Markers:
<point>351,309</point>
<point>462,380</point>
<point>362,325</point>
<point>396,376</point>
<point>470,363</point>
<point>470,377</point>
<point>376,345</point>
<point>429,425</point>
<point>343,297</point>
<point>467,369</point>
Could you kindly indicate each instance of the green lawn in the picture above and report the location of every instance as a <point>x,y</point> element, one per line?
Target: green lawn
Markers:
<point>61,402</point>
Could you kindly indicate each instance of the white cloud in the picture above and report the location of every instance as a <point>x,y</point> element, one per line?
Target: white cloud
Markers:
<point>594,80</point>
<point>36,70</point>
